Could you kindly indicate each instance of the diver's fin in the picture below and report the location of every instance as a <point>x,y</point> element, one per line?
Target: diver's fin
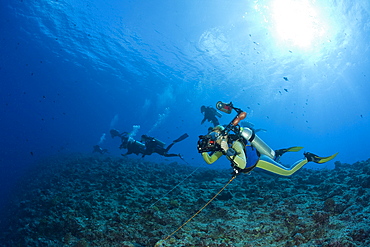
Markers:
<point>282,151</point>
<point>183,137</point>
<point>294,149</point>
<point>317,159</point>
<point>258,130</point>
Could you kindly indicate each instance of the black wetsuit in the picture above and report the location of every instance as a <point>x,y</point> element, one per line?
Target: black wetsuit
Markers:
<point>135,147</point>
<point>210,115</point>
<point>98,149</point>
<point>151,146</point>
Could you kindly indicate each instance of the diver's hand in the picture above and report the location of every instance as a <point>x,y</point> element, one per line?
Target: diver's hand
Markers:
<point>224,145</point>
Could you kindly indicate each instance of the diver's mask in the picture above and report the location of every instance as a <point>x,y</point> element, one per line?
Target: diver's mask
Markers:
<point>214,135</point>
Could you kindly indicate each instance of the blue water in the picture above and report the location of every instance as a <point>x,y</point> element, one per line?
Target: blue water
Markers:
<point>70,71</point>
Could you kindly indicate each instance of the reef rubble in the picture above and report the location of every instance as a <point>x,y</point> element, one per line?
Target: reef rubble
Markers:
<point>87,200</point>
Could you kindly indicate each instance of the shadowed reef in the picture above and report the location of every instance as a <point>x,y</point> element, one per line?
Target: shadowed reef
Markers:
<point>84,200</point>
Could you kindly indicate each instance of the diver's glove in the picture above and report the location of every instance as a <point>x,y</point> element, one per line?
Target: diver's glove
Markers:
<point>224,146</point>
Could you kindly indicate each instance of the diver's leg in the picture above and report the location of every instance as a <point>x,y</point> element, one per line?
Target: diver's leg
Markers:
<point>169,147</point>
<point>270,165</point>
<point>215,121</point>
<point>171,155</point>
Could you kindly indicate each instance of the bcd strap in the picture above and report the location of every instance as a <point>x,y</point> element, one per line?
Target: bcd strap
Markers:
<point>245,170</point>
<point>236,137</point>
<point>252,136</point>
<point>249,169</point>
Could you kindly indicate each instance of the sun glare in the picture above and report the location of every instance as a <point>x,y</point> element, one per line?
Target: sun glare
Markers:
<point>296,22</point>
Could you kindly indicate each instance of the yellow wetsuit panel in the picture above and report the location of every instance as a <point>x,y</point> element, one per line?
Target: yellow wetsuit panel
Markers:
<point>240,159</point>
<point>210,159</point>
<point>271,167</point>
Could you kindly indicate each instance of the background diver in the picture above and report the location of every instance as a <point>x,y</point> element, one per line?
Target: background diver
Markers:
<point>210,114</point>
<point>246,150</point>
<point>98,149</point>
<point>147,146</point>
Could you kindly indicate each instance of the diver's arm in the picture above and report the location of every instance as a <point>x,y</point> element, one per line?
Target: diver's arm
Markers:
<point>239,158</point>
<point>210,159</point>
<point>270,165</point>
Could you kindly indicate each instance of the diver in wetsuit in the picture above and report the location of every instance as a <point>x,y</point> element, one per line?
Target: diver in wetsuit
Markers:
<point>147,145</point>
<point>153,145</point>
<point>98,149</point>
<point>247,151</point>
<point>210,114</point>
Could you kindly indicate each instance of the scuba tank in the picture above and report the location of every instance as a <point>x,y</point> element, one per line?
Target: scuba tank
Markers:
<point>158,142</point>
<point>218,114</point>
<point>256,142</point>
<point>139,145</point>
<point>145,138</point>
<point>246,133</point>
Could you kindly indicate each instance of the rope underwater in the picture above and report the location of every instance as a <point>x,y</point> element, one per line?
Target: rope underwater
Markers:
<point>192,217</point>
<point>163,196</point>
<point>173,188</point>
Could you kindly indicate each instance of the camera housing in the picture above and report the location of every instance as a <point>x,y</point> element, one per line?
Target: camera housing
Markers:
<point>207,143</point>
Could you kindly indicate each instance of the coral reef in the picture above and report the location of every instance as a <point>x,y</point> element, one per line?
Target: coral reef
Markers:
<point>85,200</point>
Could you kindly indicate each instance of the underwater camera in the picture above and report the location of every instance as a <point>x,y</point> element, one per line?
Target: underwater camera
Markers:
<point>207,143</point>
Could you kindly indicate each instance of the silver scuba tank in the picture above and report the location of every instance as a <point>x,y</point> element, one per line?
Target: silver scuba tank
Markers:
<point>256,142</point>
<point>145,138</point>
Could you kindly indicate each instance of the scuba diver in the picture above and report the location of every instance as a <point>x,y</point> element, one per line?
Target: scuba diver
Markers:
<point>129,143</point>
<point>153,145</point>
<point>210,114</point>
<point>246,150</point>
<point>98,149</point>
<point>147,146</point>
